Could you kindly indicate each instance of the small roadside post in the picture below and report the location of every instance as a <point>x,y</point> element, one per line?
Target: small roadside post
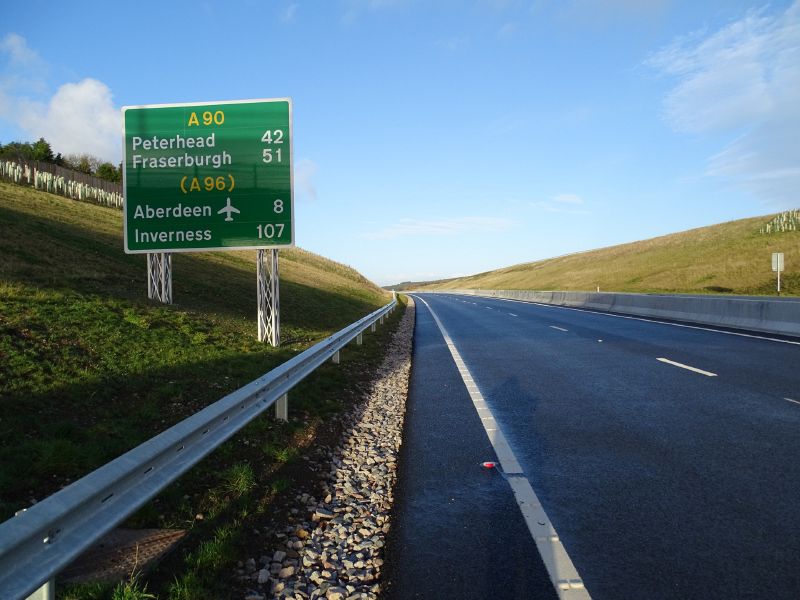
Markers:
<point>777,266</point>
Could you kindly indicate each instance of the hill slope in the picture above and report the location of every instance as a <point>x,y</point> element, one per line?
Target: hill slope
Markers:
<point>89,367</point>
<point>731,257</point>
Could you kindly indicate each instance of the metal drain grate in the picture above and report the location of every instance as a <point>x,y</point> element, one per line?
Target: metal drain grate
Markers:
<point>121,552</point>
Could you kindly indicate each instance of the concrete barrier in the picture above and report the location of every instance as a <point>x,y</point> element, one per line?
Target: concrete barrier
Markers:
<point>753,314</point>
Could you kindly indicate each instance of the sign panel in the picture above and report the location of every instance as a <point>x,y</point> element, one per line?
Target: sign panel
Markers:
<point>208,176</point>
<point>777,261</point>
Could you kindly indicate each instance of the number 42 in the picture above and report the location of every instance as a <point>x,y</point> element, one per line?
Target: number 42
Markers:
<point>272,136</point>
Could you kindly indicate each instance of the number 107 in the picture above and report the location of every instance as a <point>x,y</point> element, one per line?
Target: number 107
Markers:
<point>270,231</point>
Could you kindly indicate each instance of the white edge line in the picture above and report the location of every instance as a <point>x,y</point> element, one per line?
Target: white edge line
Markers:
<point>563,574</point>
<point>687,367</point>
<point>790,400</point>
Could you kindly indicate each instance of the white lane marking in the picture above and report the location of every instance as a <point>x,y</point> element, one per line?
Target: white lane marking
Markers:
<point>488,308</point>
<point>687,367</point>
<point>606,314</point>
<point>563,574</point>
<point>559,328</point>
<point>513,315</point>
<point>790,400</point>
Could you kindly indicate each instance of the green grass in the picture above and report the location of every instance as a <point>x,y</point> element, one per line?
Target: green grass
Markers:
<point>132,589</point>
<point>240,480</point>
<point>89,368</point>
<point>730,257</point>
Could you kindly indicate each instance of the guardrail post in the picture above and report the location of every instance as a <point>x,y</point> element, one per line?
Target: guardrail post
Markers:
<point>335,359</point>
<point>359,339</point>
<point>282,408</point>
<point>372,327</point>
<point>46,592</point>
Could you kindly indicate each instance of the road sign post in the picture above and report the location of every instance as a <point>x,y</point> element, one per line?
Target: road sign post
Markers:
<point>777,266</point>
<point>268,297</point>
<point>207,176</point>
<point>159,277</point>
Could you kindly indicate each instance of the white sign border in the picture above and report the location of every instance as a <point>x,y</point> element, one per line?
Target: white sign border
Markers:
<point>292,244</point>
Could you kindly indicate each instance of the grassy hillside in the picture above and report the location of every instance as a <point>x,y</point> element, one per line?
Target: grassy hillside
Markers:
<point>89,368</point>
<point>731,257</point>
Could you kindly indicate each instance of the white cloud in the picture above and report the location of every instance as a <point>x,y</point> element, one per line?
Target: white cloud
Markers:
<point>18,51</point>
<point>288,14</point>
<point>743,79</point>
<point>79,118</point>
<point>568,198</point>
<point>354,8</point>
<point>507,30</point>
<point>21,73</point>
<point>602,12</point>
<point>304,172</point>
<point>452,44</point>
<point>562,203</point>
<point>439,227</point>
<point>500,5</point>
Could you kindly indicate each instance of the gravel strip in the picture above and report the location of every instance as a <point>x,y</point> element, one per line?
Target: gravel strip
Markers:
<point>334,548</point>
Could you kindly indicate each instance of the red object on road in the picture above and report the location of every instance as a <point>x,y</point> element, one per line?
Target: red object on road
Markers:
<point>489,465</point>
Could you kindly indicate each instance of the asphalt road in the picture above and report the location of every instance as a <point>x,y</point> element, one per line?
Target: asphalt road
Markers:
<point>661,481</point>
<point>456,529</point>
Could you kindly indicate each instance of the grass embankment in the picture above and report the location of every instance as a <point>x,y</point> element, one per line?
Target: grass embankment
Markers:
<point>730,257</point>
<point>89,368</point>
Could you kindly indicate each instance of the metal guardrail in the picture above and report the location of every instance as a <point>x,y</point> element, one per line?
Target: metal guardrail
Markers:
<point>39,542</point>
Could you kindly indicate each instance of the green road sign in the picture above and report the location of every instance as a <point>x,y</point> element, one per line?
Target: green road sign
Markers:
<point>208,176</point>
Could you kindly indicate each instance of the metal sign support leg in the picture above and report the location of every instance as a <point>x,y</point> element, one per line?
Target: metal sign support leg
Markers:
<point>268,293</point>
<point>159,277</point>
<point>46,592</point>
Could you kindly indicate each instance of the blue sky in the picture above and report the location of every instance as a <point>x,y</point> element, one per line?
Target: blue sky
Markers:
<point>440,138</point>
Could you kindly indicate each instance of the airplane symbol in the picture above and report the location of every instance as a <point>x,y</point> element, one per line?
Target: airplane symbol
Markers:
<point>228,209</point>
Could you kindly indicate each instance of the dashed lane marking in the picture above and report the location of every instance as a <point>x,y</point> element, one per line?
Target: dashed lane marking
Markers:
<point>687,367</point>
<point>701,328</point>
<point>790,400</point>
<point>563,574</point>
<point>559,328</point>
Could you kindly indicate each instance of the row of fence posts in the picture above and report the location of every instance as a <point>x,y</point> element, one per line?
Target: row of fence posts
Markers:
<point>48,177</point>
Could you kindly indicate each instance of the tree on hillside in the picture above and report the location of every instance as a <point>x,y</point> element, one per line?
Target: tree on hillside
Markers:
<point>109,172</point>
<point>41,150</point>
<point>16,150</point>
<point>84,163</point>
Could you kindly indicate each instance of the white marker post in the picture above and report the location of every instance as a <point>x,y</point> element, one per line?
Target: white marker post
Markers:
<point>777,265</point>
